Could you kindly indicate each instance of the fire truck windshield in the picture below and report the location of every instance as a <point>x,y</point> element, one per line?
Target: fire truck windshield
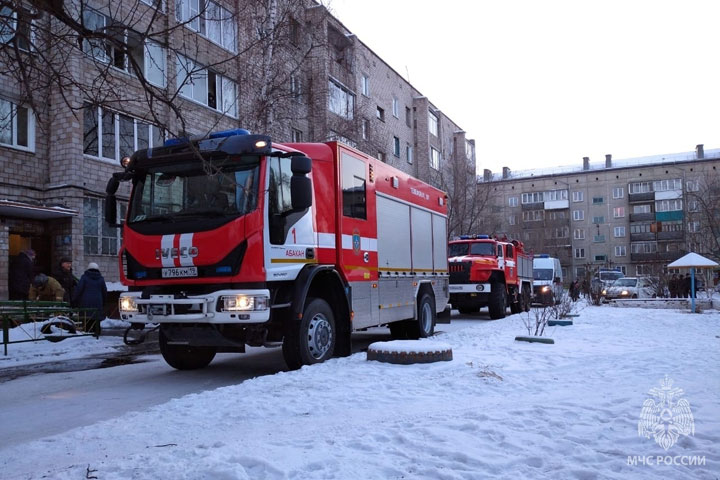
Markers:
<point>479,248</point>
<point>172,192</point>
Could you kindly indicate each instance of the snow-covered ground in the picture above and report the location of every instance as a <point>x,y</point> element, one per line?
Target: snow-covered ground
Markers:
<point>499,409</point>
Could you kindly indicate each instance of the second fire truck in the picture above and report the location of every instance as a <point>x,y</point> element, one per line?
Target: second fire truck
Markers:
<point>234,240</point>
<point>485,272</point>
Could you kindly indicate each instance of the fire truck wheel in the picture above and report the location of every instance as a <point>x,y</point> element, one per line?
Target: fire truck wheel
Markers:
<point>498,301</point>
<point>312,339</point>
<point>183,357</point>
<point>424,325</point>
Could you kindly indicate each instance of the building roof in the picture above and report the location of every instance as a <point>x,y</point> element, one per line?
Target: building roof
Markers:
<point>671,158</point>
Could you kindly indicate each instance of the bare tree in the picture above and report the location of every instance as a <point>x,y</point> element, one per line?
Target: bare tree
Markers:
<point>703,228</point>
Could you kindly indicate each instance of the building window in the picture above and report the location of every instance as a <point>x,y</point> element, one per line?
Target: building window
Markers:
<point>600,258</point>
<point>365,128</point>
<point>98,237</point>
<point>297,135</point>
<point>693,206</point>
<point>294,32</point>
<point>579,253</point>
<point>17,126</point>
<point>433,123</point>
<point>618,212</point>
<point>597,200</point>
<point>668,205</point>
<point>469,150</point>
<point>409,153</point>
<point>408,117</point>
<point>112,135</point>
<point>210,20</point>
<point>396,107</point>
<point>578,196</point>
<point>434,158</point>
<point>512,219</point>
<point>668,184</point>
<point>151,56</point>
<point>694,226</point>
<point>396,147</point>
<point>17,25</point>
<point>620,251</point>
<point>599,238</point>
<point>642,209</point>
<point>579,234</point>
<point>365,85</point>
<point>381,156</point>
<point>295,86</point>
<point>578,215</point>
<point>598,220</point>
<point>206,87</point>
<point>513,201</point>
<point>532,197</point>
<point>692,186</point>
<point>340,100</point>
<point>533,215</point>
<point>640,187</point>
<point>380,114</point>
<point>618,192</point>
<point>643,247</point>
<point>619,232</point>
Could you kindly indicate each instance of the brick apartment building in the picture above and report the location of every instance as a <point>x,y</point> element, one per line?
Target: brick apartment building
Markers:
<point>209,66</point>
<point>636,215</point>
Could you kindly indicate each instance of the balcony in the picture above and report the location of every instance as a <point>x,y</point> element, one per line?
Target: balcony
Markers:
<point>669,216</point>
<point>533,206</point>
<point>641,197</point>
<point>670,235</point>
<point>642,217</point>
<point>642,237</point>
<point>655,256</point>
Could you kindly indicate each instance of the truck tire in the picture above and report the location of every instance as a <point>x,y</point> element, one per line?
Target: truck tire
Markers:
<point>498,301</point>
<point>424,325</point>
<point>185,357</point>
<point>311,339</point>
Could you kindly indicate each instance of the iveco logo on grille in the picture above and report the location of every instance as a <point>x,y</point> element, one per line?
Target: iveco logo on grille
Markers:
<point>182,252</point>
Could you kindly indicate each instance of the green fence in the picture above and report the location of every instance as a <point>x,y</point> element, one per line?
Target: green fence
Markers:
<point>43,321</point>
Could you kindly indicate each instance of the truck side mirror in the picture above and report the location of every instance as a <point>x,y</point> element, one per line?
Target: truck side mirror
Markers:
<point>300,192</point>
<point>300,165</point>
<point>111,210</point>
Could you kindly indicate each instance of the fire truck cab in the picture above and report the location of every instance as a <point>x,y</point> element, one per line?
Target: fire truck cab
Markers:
<point>233,240</point>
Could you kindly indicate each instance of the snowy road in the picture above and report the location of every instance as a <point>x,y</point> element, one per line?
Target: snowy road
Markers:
<point>37,406</point>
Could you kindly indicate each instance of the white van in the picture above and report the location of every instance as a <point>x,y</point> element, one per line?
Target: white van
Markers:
<point>547,279</point>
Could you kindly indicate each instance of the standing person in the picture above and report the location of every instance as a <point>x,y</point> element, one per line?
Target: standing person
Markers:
<point>66,278</point>
<point>45,289</point>
<point>91,292</point>
<point>673,286</point>
<point>574,290</point>
<point>686,283</point>
<point>21,274</point>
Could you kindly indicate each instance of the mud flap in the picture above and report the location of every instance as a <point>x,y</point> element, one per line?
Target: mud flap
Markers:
<point>444,316</point>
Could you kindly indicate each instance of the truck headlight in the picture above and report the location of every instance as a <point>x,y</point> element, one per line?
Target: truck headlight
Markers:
<point>545,289</point>
<point>624,292</point>
<point>244,303</point>
<point>127,304</point>
<point>604,292</point>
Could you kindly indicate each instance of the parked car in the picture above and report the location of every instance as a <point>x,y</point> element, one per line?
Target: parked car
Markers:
<point>630,287</point>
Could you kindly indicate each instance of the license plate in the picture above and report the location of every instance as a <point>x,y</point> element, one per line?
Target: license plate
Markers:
<point>179,272</point>
<point>454,288</point>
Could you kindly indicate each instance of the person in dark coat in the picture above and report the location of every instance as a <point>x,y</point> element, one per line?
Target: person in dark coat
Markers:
<point>91,292</point>
<point>686,284</point>
<point>66,278</point>
<point>673,286</point>
<point>21,274</point>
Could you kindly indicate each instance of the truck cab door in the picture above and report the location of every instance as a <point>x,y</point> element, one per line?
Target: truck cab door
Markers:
<point>358,252</point>
<point>290,241</point>
<point>500,256</point>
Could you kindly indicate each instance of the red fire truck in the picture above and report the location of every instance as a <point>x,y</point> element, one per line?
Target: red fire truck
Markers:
<point>233,240</point>
<point>485,272</point>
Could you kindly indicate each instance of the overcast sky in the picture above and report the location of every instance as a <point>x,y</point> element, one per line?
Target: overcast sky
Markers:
<point>545,83</point>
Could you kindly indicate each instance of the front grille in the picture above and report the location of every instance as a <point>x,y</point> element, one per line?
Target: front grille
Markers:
<point>459,272</point>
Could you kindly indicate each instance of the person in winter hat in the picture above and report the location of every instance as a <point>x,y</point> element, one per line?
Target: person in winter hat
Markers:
<point>91,292</point>
<point>21,274</point>
<point>45,289</point>
<point>64,275</point>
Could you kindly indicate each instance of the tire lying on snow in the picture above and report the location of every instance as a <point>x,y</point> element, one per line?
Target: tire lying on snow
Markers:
<point>406,352</point>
